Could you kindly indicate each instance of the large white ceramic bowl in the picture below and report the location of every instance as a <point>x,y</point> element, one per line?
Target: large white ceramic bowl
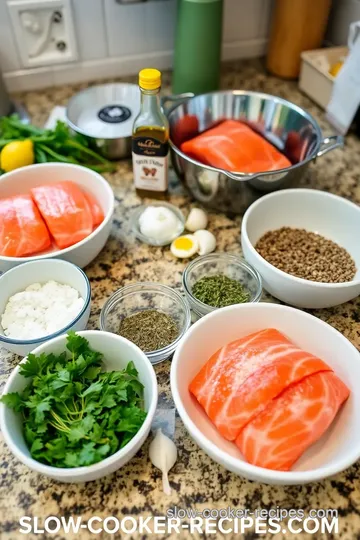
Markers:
<point>317,211</point>
<point>23,179</point>
<point>23,275</point>
<point>335,451</point>
<point>117,353</point>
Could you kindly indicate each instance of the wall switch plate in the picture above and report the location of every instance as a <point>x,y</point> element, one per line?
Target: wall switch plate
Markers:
<point>44,31</point>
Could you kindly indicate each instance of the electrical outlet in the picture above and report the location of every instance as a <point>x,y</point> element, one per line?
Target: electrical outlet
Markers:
<point>44,31</point>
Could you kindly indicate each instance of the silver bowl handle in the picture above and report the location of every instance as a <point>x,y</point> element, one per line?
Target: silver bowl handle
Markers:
<point>174,100</point>
<point>330,143</point>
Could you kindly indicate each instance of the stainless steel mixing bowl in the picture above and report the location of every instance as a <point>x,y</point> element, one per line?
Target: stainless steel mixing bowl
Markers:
<point>289,127</point>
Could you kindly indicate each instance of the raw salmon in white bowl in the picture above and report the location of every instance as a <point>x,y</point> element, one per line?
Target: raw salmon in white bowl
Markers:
<point>53,210</point>
<point>270,393</point>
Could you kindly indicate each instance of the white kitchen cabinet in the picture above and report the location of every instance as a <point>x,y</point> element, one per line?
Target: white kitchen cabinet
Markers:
<point>265,19</point>
<point>89,25</point>
<point>160,25</point>
<point>9,56</point>
<point>125,28</point>
<point>139,28</point>
<point>105,38</point>
<point>242,20</point>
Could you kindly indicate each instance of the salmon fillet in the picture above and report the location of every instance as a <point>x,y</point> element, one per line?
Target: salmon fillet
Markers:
<point>233,146</point>
<point>22,229</point>
<point>66,212</point>
<point>296,419</point>
<point>96,210</point>
<point>240,379</point>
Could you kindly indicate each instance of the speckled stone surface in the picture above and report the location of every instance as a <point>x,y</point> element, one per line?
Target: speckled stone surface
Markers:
<point>196,480</point>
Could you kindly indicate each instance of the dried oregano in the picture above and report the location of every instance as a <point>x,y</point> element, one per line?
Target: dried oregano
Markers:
<point>220,291</point>
<point>149,329</point>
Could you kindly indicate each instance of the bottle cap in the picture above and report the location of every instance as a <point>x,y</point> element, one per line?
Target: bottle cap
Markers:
<point>150,79</point>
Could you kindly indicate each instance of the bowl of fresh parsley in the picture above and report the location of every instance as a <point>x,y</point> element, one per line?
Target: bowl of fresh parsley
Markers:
<point>79,406</point>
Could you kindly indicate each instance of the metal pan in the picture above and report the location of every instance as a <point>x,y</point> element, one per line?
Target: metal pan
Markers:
<point>105,115</point>
<point>287,126</point>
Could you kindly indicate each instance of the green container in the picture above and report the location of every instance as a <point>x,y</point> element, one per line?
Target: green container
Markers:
<point>198,46</point>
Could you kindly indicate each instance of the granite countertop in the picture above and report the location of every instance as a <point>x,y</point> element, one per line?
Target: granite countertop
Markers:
<point>196,480</point>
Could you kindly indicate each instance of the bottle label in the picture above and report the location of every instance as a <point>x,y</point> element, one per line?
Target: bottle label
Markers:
<point>150,163</point>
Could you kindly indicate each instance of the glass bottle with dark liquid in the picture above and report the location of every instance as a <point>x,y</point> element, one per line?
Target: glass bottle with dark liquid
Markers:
<point>150,139</point>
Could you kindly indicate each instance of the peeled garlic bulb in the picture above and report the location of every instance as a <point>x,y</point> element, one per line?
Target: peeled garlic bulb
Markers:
<point>206,241</point>
<point>197,219</point>
<point>163,455</point>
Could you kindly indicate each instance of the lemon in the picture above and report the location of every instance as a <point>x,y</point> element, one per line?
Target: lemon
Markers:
<point>335,68</point>
<point>17,154</point>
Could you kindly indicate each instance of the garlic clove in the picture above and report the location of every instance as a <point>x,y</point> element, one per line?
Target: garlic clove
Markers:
<point>163,455</point>
<point>197,219</point>
<point>206,241</point>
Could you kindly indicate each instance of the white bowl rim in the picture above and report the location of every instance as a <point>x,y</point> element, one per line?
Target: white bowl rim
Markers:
<point>85,469</point>
<point>254,471</point>
<point>39,341</point>
<point>281,273</point>
<point>60,252</point>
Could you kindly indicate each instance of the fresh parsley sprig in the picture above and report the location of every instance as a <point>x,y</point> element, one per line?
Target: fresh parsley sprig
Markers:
<point>74,413</point>
<point>59,144</point>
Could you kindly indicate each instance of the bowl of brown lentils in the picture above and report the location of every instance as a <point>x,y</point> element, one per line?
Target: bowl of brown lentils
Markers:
<point>305,244</point>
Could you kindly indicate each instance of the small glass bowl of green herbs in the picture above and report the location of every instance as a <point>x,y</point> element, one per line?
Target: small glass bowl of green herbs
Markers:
<point>219,280</point>
<point>153,316</point>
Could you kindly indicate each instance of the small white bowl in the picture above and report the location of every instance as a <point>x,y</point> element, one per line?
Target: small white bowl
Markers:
<point>20,277</point>
<point>338,449</point>
<point>317,211</point>
<point>22,180</point>
<point>117,353</point>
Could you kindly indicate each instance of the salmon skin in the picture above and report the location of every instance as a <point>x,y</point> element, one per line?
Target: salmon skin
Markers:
<point>233,146</point>
<point>66,212</point>
<point>96,210</point>
<point>240,379</point>
<point>22,229</point>
<point>252,385</point>
<point>279,435</point>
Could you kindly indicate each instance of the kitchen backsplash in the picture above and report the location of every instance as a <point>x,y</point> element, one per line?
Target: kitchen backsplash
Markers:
<point>52,42</point>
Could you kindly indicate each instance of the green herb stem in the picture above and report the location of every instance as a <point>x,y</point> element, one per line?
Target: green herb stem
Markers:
<point>56,155</point>
<point>88,151</point>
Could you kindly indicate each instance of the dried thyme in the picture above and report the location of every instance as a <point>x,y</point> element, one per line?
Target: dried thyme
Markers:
<point>150,330</point>
<point>220,291</point>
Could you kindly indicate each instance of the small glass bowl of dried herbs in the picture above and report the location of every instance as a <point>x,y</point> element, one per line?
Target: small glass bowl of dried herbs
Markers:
<point>218,280</point>
<point>153,316</point>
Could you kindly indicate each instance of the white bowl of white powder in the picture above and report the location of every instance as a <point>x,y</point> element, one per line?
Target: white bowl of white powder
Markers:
<point>40,300</point>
